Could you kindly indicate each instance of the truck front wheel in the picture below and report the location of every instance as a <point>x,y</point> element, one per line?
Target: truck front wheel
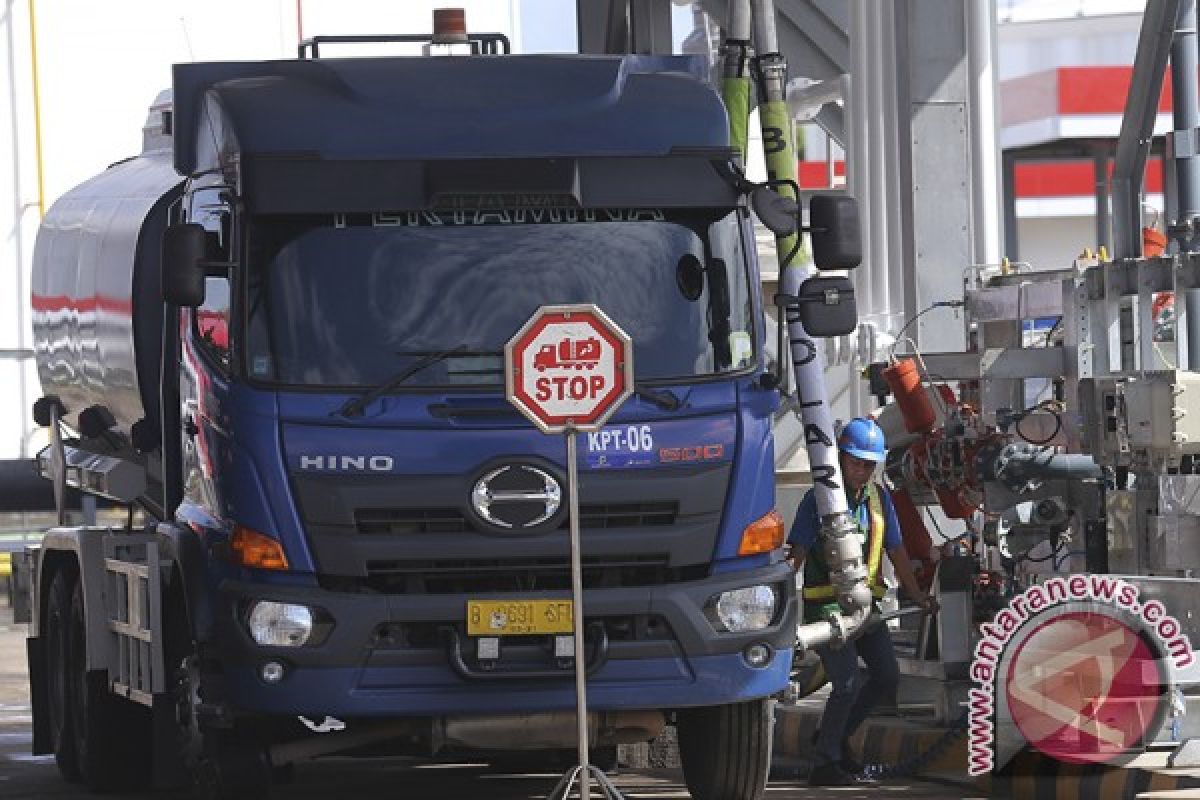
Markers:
<point>726,750</point>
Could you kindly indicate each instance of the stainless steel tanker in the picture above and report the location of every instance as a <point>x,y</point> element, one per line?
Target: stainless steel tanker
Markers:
<point>97,306</point>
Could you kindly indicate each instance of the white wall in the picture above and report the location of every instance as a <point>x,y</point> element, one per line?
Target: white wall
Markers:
<point>1038,46</point>
<point>100,66</point>
<point>1054,242</point>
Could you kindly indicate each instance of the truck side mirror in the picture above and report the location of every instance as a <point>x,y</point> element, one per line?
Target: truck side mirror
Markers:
<point>777,212</point>
<point>836,238</point>
<point>827,306</point>
<point>184,248</point>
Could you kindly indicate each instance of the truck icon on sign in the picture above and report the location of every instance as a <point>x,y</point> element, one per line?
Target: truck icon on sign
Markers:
<point>577,353</point>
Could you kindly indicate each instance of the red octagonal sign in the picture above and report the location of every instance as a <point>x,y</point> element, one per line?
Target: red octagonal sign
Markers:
<point>568,367</point>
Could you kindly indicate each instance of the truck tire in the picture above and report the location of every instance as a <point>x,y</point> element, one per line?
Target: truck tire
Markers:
<point>726,750</point>
<point>111,735</point>
<point>56,622</point>
<point>222,764</point>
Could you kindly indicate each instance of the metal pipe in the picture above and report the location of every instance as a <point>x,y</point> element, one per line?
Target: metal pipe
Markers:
<point>37,115</point>
<point>857,153</point>
<point>1191,298</point>
<point>1008,170</point>
<point>1137,125</point>
<point>1016,465</point>
<point>581,716</point>
<point>1100,177</point>
<point>805,102</point>
<point>549,730</point>
<point>1186,116</point>
<point>830,162</point>
<point>735,75</point>
<point>893,204</point>
<point>807,358</point>
<point>18,236</point>
<point>766,38</point>
<point>740,14</point>
<point>981,60</point>
<point>877,162</point>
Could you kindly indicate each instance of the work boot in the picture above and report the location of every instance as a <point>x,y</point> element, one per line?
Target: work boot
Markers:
<point>831,774</point>
<point>848,762</point>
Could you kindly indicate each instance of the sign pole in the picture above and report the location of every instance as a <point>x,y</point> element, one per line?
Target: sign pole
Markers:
<point>584,772</point>
<point>567,369</point>
<point>577,612</point>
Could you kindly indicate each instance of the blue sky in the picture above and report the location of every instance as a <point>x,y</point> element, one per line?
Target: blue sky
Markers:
<point>548,26</point>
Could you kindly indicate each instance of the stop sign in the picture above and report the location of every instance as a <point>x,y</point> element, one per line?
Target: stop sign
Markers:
<point>568,366</point>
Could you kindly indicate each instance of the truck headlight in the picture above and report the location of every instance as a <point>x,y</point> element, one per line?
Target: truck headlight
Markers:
<point>749,609</point>
<point>280,624</point>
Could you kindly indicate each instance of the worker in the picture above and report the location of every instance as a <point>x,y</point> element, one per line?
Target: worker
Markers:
<point>860,451</point>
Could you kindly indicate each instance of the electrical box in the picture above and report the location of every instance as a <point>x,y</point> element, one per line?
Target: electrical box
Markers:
<point>1151,418</point>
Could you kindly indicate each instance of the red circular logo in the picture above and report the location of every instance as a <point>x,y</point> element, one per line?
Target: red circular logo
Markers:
<point>1084,687</point>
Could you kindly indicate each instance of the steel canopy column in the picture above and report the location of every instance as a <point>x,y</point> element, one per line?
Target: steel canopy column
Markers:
<point>858,153</point>
<point>1137,125</point>
<point>1008,172</point>
<point>940,168</point>
<point>1186,116</point>
<point>981,63</point>
<point>1100,176</point>
<point>1185,153</point>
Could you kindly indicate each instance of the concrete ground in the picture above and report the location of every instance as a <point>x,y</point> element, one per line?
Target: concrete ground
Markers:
<point>893,740</point>
<point>23,776</point>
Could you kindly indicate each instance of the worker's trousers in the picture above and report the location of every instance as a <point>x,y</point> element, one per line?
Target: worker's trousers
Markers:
<point>854,696</point>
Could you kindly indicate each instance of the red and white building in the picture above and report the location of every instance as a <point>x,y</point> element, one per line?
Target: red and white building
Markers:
<point>1064,69</point>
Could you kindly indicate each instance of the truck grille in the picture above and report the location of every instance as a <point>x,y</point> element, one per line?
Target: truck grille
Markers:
<point>465,576</point>
<point>451,520</point>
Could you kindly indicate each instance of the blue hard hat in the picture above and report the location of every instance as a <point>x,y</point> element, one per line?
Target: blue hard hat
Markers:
<point>862,438</point>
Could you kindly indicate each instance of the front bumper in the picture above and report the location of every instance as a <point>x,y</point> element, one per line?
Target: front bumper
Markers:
<point>393,655</point>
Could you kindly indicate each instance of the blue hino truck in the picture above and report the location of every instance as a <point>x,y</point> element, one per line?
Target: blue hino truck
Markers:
<point>278,332</point>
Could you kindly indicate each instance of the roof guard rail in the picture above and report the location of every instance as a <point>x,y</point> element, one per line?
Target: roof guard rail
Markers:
<point>488,44</point>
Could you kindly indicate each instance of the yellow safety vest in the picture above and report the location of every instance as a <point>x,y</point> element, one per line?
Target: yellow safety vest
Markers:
<point>820,590</point>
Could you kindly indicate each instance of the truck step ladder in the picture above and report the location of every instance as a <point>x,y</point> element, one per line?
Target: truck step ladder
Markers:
<point>133,579</point>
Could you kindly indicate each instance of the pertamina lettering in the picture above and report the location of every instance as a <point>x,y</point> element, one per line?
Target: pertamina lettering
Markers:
<point>534,213</point>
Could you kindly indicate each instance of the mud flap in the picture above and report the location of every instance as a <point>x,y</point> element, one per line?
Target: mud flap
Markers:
<point>169,770</point>
<point>36,657</point>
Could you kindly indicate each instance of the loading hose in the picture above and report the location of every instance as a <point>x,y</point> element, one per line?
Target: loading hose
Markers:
<point>909,767</point>
<point>912,765</point>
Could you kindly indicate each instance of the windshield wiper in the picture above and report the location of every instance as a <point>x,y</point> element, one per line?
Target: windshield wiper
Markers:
<point>355,406</point>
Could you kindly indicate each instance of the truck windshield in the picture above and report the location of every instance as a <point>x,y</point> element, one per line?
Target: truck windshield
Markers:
<point>351,300</point>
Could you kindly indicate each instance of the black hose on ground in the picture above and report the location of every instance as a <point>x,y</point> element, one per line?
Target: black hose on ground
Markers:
<point>911,766</point>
